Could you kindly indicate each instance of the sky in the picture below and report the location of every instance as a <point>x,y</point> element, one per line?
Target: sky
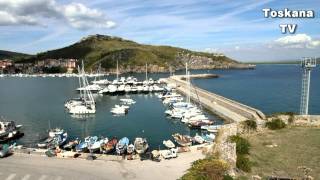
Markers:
<point>236,28</point>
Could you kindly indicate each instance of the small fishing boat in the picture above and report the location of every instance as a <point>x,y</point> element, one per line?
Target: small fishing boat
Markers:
<point>5,150</point>
<point>169,144</point>
<point>199,124</point>
<point>122,145</point>
<point>83,146</point>
<point>9,131</point>
<point>108,147</point>
<point>119,110</point>
<point>56,131</point>
<point>141,145</point>
<point>45,143</point>
<point>209,138</point>
<point>182,140</point>
<point>95,146</point>
<point>198,139</point>
<point>130,149</point>
<point>71,144</point>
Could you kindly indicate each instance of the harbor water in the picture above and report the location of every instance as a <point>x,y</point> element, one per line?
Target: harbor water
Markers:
<point>38,103</point>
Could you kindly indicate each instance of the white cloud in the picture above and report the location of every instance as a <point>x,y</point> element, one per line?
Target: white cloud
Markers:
<point>297,41</point>
<point>35,12</point>
<point>9,19</point>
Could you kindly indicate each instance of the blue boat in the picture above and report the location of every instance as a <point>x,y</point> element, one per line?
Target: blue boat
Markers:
<point>83,146</point>
<point>122,145</point>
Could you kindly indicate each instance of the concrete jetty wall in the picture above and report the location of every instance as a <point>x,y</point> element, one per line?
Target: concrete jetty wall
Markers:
<point>226,108</point>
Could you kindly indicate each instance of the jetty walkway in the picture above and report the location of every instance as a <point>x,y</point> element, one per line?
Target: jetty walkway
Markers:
<point>225,108</point>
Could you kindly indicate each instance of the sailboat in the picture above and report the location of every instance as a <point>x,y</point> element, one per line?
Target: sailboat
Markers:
<point>88,105</point>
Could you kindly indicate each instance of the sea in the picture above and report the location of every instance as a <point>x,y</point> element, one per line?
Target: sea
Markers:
<point>38,103</point>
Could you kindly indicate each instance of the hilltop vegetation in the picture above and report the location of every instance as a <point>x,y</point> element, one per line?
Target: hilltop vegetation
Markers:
<point>12,55</point>
<point>133,56</point>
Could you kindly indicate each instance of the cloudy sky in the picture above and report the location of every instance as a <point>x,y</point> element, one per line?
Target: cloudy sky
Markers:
<point>236,28</point>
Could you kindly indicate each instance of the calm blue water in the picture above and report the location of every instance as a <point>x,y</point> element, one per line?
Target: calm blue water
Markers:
<point>270,88</point>
<point>38,103</point>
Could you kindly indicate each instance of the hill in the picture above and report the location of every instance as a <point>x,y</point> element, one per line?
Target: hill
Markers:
<point>132,56</point>
<point>12,55</point>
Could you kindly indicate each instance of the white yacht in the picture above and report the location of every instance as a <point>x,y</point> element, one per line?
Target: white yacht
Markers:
<point>88,105</point>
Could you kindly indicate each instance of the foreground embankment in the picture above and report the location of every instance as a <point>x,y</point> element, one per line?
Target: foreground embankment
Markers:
<point>34,164</point>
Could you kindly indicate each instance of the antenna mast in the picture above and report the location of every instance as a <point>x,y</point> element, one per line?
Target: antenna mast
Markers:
<point>307,64</point>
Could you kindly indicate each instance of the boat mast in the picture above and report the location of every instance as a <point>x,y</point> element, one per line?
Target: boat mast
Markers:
<point>146,72</point>
<point>188,83</point>
<point>117,70</point>
<point>80,84</point>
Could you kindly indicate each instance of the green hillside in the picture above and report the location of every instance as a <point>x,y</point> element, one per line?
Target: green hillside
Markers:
<point>12,55</point>
<point>106,50</point>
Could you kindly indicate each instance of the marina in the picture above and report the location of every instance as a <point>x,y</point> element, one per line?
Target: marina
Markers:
<point>104,123</point>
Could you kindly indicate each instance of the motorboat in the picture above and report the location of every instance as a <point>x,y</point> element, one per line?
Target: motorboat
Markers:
<point>169,144</point>
<point>95,146</point>
<point>170,153</point>
<point>91,87</point>
<point>109,146</point>
<point>122,145</point>
<point>121,89</point>
<point>141,145</point>
<point>88,141</point>
<point>209,137</point>
<point>127,88</point>
<point>104,91</point>
<point>130,149</point>
<point>72,144</point>
<point>119,109</point>
<point>182,140</point>
<point>101,82</point>
<point>112,89</point>
<point>199,124</point>
<point>134,89</point>
<point>140,88</point>
<point>9,131</point>
<point>56,131</point>
<point>128,101</point>
<point>83,109</point>
<point>145,89</point>
<point>199,139</point>
<point>5,150</point>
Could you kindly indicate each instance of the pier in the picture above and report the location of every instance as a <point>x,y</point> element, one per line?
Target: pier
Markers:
<point>225,108</point>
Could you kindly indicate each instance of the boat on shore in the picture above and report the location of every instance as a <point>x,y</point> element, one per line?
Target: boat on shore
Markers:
<point>5,150</point>
<point>96,145</point>
<point>182,140</point>
<point>71,144</point>
<point>130,149</point>
<point>141,145</point>
<point>109,146</point>
<point>169,144</point>
<point>122,145</point>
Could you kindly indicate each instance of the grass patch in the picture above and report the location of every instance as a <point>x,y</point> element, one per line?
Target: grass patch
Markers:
<point>296,147</point>
<point>275,124</point>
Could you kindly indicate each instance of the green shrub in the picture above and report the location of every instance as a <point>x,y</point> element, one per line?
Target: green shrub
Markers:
<point>275,124</point>
<point>207,169</point>
<point>243,163</point>
<point>227,177</point>
<point>250,125</point>
<point>242,144</point>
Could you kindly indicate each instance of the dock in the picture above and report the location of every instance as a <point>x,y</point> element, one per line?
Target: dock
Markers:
<point>223,107</point>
